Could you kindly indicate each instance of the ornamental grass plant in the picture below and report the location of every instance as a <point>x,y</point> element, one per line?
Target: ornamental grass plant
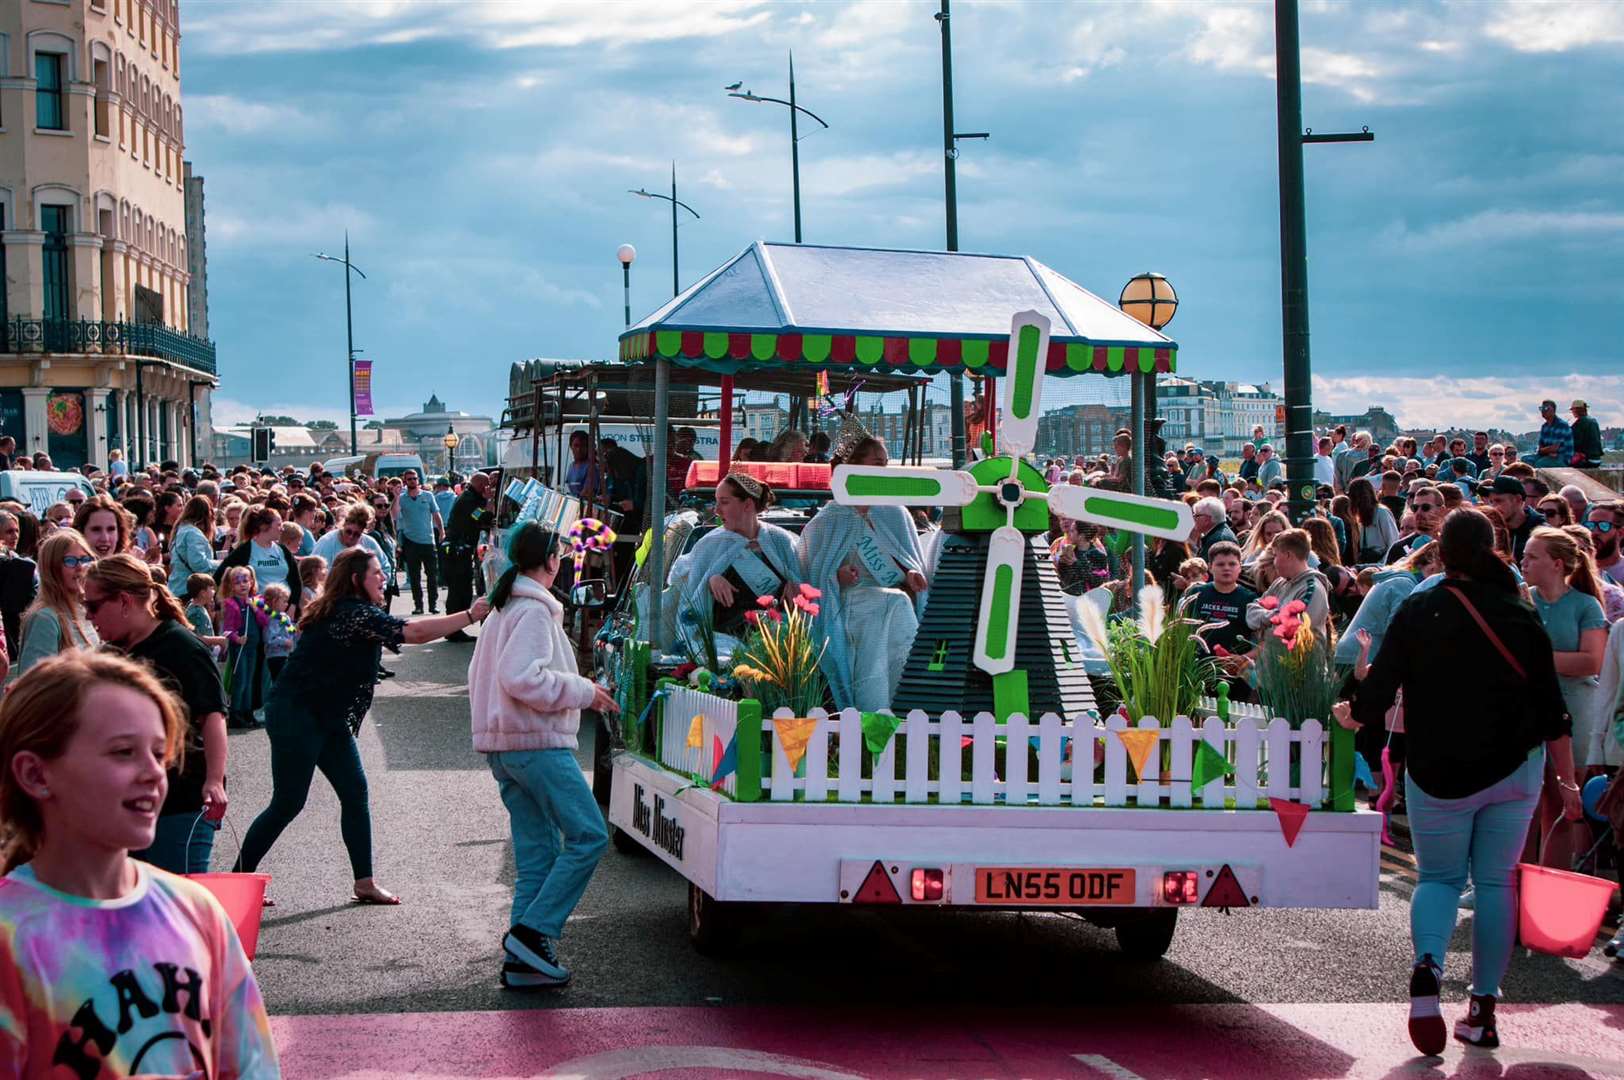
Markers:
<point>1155,659</point>
<point>777,660</point>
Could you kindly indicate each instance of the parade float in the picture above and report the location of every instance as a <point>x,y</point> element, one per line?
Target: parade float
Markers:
<point>995,780</point>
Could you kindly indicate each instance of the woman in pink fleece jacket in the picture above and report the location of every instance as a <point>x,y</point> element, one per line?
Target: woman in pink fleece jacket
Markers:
<point>526,699</point>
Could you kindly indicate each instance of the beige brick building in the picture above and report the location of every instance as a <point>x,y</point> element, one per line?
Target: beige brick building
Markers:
<point>95,344</point>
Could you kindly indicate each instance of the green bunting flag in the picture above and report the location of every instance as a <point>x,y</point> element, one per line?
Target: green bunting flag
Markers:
<point>878,729</point>
<point>1117,541</point>
<point>1210,764</point>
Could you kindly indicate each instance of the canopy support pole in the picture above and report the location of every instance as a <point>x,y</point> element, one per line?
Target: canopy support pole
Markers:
<point>1136,458</point>
<point>724,457</point>
<point>656,516</point>
<point>991,392</point>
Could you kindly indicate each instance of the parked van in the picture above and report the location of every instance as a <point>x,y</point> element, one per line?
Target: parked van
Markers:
<point>38,490</point>
<point>391,465</point>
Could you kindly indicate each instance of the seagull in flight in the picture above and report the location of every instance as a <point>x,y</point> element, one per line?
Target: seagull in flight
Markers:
<point>735,86</point>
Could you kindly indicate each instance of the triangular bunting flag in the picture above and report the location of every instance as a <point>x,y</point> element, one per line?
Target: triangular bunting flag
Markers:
<point>1291,815</point>
<point>1140,744</point>
<point>727,761</point>
<point>878,729</point>
<point>1210,764</point>
<point>645,547</point>
<point>1362,774</point>
<point>795,732</point>
<point>696,733</point>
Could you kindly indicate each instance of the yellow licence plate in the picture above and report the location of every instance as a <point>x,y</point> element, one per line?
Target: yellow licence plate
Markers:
<point>1042,886</point>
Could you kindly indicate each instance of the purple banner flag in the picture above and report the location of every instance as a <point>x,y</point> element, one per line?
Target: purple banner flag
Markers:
<point>363,388</point>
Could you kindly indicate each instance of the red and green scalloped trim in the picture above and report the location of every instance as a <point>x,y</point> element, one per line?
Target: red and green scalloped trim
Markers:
<point>924,354</point>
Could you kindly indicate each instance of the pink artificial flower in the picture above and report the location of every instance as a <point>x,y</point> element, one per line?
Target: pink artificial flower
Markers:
<point>774,614</point>
<point>811,593</point>
<point>1270,602</point>
<point>752,617</point>
<point>767,601</point>
<point>1296,607</point>
<point>811,609</point>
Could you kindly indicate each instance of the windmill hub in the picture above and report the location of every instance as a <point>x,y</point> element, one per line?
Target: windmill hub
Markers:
<point>1011,493</point>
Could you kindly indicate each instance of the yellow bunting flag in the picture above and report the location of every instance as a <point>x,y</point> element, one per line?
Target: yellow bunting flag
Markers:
<point>1140,744</point>
<point>696,737</point>
<point>795,732</point>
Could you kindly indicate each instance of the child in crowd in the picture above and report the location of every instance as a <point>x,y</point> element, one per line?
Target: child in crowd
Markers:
<point>240,585</point>
<point>1191,574</point>
<point>281,635</point>
<point>292,537</point>
<point>109,966</point>
<point>312,576</point>
<point>200,592</point>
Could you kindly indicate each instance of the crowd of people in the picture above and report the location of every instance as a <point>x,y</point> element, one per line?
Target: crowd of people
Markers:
<point>141,622</point>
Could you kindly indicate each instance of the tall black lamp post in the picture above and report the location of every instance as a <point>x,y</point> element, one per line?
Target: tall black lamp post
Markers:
<point>794,133</point>
<point>349,326</point>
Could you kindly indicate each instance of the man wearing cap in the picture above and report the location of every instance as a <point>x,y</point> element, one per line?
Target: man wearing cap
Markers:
<point>1195,466</point>
<point>1555,440</point>
<point>1269,468</point>
<point>1587,448</point>
<point>1508,497</point>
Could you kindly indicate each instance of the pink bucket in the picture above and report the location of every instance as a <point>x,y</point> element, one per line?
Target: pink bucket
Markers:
<point>243,897</point>
<point>1559,912</point>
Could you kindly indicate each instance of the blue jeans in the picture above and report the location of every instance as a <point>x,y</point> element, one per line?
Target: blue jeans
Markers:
<point>547,798</point>
<point>1483,834</point>
<point>299,746</point>
<point>180,848</point>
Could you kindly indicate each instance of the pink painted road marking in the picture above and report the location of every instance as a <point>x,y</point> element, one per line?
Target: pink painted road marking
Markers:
<point>1179,1042</point>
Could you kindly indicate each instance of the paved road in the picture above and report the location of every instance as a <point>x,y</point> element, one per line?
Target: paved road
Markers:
<point>442,843</point>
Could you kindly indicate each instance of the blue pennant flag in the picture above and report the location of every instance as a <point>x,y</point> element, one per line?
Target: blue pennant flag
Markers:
<point>729,762</point>
<point>1361,773</point>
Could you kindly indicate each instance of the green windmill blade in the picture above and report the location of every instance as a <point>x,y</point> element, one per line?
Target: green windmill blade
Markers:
<point>998,620</point>
<point>1169,519</point>
<point>1023,382</point>
<point>874,485</point>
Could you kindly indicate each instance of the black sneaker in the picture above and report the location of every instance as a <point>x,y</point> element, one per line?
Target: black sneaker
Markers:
<point>519,976</point>
<point>1427,1029</point>
<point>536,951</point>
<point>417,610</point>
<point>1477,1026</point>
<point>458,637</point>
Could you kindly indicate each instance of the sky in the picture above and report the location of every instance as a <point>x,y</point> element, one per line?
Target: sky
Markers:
<point>1464,265</point>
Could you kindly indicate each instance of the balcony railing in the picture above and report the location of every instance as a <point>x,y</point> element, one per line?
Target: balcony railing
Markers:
<point>22,335</point>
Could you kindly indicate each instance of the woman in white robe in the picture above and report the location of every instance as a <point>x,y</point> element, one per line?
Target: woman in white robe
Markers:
<point>869,566</point>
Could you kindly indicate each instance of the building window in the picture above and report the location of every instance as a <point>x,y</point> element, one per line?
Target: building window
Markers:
<point>49,115</point>
<point>58,290</point>
<point>3,312</point>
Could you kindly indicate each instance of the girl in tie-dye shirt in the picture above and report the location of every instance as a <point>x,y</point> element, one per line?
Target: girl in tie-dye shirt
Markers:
<point>108,967</point>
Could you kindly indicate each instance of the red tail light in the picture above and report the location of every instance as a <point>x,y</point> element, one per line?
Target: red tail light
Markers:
<point>926,884</point>
<point>1181,887</point>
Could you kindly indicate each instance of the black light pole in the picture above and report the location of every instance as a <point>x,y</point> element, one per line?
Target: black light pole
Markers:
<point>349,327</point>
<point>625,254</point>
<point>662,408</point>
<point>950,152</point>
<point>794,133</point>
<point>1300,486</point>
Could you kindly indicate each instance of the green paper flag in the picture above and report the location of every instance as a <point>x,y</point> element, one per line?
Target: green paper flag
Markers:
<point>878,729</point>
<point>1210,764</point>
<point>1117,541</point>
<point>645,547</point>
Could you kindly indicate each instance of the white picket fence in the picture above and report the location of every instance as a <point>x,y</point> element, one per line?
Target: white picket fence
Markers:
<point>720,720</point>
<point>930,765</point>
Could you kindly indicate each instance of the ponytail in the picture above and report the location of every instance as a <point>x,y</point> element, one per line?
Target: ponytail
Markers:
<point>1578,566</point>
<point>124,573</point>
<point>1466,543</point>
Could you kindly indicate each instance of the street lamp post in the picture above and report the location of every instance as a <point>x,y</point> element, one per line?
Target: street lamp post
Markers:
<point>662,408</point>
<point>451,442</point>
<point>626,254</point>
<point>794,133</point>
<point>349,327</point>
<point>1150,298</point>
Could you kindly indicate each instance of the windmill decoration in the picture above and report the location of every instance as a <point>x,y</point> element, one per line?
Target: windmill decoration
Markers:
<point>1002,502</point>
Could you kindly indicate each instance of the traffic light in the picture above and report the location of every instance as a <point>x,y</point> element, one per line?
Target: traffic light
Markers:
<point>264,442</point>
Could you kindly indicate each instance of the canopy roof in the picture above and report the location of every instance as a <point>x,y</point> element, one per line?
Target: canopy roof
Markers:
<point>775,305</point>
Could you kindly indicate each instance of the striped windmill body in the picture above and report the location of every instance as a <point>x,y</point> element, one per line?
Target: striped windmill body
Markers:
<point>1004,505</point>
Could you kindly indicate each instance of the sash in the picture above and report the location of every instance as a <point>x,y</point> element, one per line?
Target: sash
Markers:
<point>884,569</point>
<point>750,576</point>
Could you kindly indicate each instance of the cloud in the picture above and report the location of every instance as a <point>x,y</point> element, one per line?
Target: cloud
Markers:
<point>229,411</point>
<point>238,116</point>
<point>1485,401</point>
<point>1509,226</point>
<point>284,26</point>
<point>287,223</point>
<point>1545,27</point>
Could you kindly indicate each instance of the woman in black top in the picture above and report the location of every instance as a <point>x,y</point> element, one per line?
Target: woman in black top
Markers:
<point>1485,720</point>
<point>316,707</point>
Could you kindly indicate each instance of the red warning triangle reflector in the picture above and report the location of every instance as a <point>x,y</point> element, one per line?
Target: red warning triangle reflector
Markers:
<point>1226,891</point>
<point>877,888</point>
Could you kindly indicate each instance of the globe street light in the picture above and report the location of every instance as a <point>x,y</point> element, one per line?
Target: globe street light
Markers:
<point>450,440</point>
<point>1149,298</point>
<point>626,253</point>
<point>794,133</point>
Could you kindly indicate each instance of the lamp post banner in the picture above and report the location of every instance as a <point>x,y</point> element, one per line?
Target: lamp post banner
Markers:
<point>363,387</point>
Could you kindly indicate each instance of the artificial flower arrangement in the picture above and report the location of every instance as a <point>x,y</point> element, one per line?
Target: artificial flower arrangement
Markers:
<point>1155,660</point>
<point>777,660</point>
<point>1295,673</point>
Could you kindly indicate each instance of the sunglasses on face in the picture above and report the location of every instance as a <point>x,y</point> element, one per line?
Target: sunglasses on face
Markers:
<point>74,562</point>
<point>1603,527</point>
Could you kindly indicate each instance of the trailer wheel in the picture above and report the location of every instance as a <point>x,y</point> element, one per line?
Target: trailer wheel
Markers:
<point>1147,935</point>
<point>623,842</point>
<point>713,925</point>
